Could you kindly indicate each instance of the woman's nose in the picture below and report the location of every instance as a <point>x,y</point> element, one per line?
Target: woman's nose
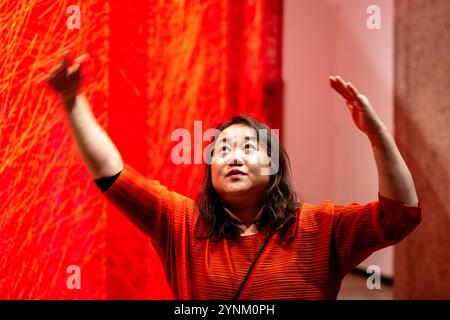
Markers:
<point>237,157</point>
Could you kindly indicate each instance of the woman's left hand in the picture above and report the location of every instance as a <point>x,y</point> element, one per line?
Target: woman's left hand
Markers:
<point>364,116</point>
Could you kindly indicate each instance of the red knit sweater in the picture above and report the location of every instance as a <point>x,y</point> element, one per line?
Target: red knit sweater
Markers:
<point>329,241</point>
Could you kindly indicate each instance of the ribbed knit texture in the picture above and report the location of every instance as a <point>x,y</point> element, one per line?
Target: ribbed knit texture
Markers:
<point>329,241</point>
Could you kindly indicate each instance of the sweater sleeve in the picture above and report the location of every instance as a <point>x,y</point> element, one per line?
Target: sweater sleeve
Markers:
<point>359,230</point>
<point>149,205</point>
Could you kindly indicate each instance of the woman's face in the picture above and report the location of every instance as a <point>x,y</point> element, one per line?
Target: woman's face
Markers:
<point>236,166</point>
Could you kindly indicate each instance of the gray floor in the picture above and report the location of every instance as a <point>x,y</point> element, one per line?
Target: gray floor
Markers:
<point>354,287</point>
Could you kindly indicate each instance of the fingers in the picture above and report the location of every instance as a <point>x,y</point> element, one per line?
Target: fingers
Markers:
<point>61,69</point>
<point>62,60</point>
<point>41,77</point>
<point>58,71</point>
<point>81,59</point>
<point>338,84</point>
<point>342,85</point>
<point>50,61</point>
<point>44,75</point>
<point>352,90</point>
<point>346,89</point>
<point>361,100</point>
<point>78,63</point>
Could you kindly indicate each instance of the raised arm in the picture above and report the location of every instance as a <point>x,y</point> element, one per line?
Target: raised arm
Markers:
<point>96,148</point>
<point>148,204</point>
<point>359,230</point>
<point>394,178</point>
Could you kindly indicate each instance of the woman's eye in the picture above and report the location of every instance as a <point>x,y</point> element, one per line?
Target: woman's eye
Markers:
<point>249,146</point>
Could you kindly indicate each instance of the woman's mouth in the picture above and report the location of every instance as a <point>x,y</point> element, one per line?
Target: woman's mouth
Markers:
<point>235,173</point>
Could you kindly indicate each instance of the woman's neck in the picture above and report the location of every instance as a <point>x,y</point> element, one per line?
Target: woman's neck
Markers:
<point>246,214</point>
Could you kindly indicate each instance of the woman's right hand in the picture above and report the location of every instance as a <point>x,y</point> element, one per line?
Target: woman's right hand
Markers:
<point>65,80</point>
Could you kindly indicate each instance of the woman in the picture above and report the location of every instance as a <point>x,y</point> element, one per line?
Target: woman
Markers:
<point>246,236</point>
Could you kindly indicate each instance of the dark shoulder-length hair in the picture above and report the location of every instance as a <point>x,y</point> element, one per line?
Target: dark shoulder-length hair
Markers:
<point>280,199</point>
